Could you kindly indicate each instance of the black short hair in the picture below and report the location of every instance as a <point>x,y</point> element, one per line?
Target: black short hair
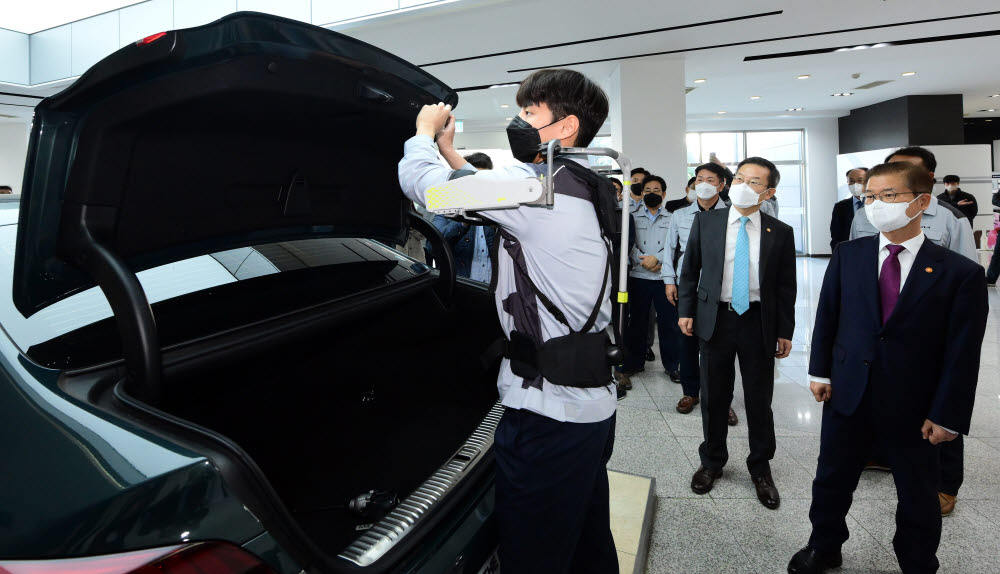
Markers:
<point>567,93</point>
<point>617,183</point>
<point>716,169</point>
<point>636,170</point>
<point>690,181</point>
<point>930,162</point>
<point>650,178</point>
<point>7,187</point>
<point>479,160</point>
<point>848,174</point>
<point>952,179</point>
<point>773,177</point>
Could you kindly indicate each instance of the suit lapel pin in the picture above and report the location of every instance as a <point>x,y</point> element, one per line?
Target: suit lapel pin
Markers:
<point>929,270</point>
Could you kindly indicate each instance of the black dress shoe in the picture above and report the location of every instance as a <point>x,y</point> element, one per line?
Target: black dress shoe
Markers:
<point>703,480</point>
<point>649,354</point>
<point>621,391</point>
<point>811,561</point>
<point>675,376</point>
<point>767,493</point>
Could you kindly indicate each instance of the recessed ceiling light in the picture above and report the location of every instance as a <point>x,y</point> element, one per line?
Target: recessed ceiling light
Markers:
<point>754,97</point>
<point>804,77</point>
<point>700,81</point>
<point>909,74</point>
<point>843,94</point>
<point>995,96</point>
<point>795,109</point>
<point>505,106</point>
<point>989,120</point>
<point>507,119</point>
<point>720,113</point>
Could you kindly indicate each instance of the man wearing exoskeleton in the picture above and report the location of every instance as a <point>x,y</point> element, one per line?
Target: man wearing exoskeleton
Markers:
<point>553,295</point>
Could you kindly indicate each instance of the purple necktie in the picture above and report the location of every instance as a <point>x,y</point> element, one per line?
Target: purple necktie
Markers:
<point>888,281</point>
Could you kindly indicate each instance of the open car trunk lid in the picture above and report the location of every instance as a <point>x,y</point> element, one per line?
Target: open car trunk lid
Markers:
<point>251,129</point>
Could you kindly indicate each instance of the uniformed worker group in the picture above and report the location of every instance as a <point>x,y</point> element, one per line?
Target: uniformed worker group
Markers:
<point>894,353</point>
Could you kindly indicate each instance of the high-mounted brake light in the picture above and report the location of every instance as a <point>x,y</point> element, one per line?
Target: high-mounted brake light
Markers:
<point>199,558</point>
<point>150,39</point>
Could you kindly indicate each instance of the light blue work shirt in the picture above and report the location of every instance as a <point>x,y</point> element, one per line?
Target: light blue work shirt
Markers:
<point>567,259</point>
<point>677,238</point>
<point>938,224</point>
<point>650,238</point>
<point>481,269</point>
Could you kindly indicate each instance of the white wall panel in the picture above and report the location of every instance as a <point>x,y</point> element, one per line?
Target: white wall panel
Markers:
<point>294,9</point>
<point>92,40</point>
<point>329,11</point>
<point>145,19</point>
<point>14,61</point>
<point>13,151</point>
<point>51,55</point>
<point>191,13</point>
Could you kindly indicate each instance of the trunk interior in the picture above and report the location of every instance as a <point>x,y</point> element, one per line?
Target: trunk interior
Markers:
<point>376,403</point>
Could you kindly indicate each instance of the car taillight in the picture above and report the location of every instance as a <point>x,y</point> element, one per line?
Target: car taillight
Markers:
<point>199,558</point>
<point>150,39</point>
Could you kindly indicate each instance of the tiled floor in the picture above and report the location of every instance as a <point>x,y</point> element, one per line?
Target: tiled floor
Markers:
<point>729,531</point>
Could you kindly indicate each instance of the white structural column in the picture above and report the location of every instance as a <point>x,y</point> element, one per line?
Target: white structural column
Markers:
<point>648,117</point>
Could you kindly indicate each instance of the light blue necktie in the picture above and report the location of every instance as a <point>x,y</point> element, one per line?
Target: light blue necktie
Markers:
<point>741,269</point>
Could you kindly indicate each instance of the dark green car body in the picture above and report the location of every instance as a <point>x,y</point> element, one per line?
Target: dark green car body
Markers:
<point>193,143</point>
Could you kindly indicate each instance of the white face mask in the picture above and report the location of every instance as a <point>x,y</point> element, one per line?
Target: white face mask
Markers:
<point>951,187</point>
<point>857,189</point>
<point>705,190</point>
<point>742,196</point>
<point>692,195</point>
<point>888,217</point>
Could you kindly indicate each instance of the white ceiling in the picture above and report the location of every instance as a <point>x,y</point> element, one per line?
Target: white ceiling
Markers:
<point>478,27</point>
<point>471,28</point>
<point>30,16</point>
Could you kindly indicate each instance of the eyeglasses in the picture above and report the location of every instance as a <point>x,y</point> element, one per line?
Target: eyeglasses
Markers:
<point>755,184</point>
<point>887,196</point>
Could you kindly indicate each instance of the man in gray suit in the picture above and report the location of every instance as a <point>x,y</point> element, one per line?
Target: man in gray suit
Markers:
<point>737,294</point>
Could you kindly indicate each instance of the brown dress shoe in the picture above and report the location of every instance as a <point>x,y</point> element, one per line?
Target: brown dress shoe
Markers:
<point>732,417</point>
<point>623,380</point>
<point>703,480</point>
<point>947,503</point>
<point>686,404</point>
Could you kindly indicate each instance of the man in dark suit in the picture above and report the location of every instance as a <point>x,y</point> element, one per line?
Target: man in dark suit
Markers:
<point>844,210</point>
<point>737,293</point>
<point>895,356</point>
<point>960,200</point>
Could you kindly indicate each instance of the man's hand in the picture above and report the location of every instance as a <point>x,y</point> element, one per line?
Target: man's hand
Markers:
<point>687,325</point>
<point>648,261</point>
<point>784,348</point>
<point>432,119</point>
<point>936,434</point>
<point>657,268</point>
<point>672,294</point>
<point>446,137</point>
<point>965,202</point>
<point>821,391</point>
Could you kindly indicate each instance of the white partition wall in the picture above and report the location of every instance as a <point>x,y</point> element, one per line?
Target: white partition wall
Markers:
<point>972,163</point>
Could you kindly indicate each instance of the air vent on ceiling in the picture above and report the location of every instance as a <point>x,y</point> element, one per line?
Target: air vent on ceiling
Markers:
<point>874,84</point>
<point>689,90</point>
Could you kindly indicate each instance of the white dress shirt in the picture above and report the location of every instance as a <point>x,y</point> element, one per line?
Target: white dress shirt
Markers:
<point>732,231</point>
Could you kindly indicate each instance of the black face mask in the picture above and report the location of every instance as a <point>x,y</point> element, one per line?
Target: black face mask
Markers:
<point>524,139</point>
<point>652,200</point>
<point>636,189</point>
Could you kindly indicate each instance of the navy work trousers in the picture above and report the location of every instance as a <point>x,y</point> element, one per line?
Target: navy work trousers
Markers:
<point>642,292</point>
<point>553,508</point>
